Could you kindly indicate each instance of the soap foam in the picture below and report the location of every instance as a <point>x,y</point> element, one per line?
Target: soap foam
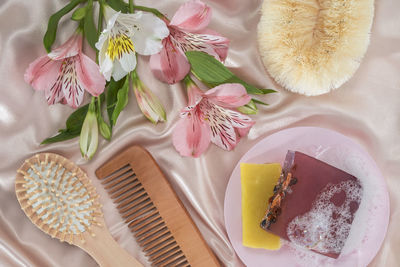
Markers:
<point>326,226</point>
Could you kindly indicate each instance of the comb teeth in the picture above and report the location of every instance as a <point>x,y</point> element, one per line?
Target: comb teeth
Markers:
<point>143,218</point>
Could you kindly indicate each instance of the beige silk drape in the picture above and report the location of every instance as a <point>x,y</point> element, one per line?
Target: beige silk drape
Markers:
<point>367,109</point>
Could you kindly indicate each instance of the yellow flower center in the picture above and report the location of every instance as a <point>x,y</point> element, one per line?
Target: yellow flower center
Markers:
<point>118,45</point>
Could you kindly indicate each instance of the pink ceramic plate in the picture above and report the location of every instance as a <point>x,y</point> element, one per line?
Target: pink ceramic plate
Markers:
<point>369,225</point>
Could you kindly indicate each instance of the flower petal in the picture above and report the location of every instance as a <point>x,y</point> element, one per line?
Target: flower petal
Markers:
<point>239,121</point>
<point>195,95</point>
<point>192,16</point>
<point>222,132</point>
<point>230,95</point>
<point>106,64</point>
<point>89,75</point>
<point>102,40</point>
<point>244,131</point>
<point>55,94</point>
<point>148,32</point>
<point>221,47</point>
<point>69,49</point>
<point>128,61</point>
<point>71,86</point>
<point>191,137</point>
<point>111,16</point>
<point>214,45</point>
<point>118,72</point>
<point>42,73</point>
<point>170,65</point>
<point>105,34</point>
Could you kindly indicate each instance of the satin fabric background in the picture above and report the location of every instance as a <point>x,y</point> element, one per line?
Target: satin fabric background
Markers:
<point>366,108</point>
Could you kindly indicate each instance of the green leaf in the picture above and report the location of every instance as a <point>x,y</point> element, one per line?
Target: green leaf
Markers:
<point>251,89</point>
<point>111,95</point>
<point>51,32</point>
<point>73,125</point>
<point>259,102</point>
<point>122,101</point>
<point>75,120</point>
<point>118,5</point>
<point>62,136</point>
<point>79,14</point>
<point>105,129</point>
<point>268,91</point>
<point>212,72</point>
<point>89,28</point>
<point>249,108</point>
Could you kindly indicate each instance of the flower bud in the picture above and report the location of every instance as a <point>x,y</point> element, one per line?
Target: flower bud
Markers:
<point>89,133</point>
<point>250,108</point>
<point>148,102</point>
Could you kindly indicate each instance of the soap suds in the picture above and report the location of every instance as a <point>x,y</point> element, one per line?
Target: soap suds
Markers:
<point>326,226</point>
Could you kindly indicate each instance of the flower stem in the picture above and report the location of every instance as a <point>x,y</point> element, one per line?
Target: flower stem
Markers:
<point>99,25</point>
<point>134,75</point>
<point>92,105</point>
<point>151,10</point>
<point>100,21</point>
<point>188,81</point>
<point>131,7</point>
<point>98,106</point>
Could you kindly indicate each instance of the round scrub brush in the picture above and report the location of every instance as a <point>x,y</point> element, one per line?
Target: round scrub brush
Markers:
<point>313,46</point>
<point>58,197</point>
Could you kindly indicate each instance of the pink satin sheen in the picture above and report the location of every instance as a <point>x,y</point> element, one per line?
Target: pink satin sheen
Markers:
<point>366,109</point>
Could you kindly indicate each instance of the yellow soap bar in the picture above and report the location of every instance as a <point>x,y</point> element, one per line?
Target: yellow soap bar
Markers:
<point>258,181</point>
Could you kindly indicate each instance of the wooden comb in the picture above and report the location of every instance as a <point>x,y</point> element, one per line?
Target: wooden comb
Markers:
<point>59,198</point>
<point>153,212</point>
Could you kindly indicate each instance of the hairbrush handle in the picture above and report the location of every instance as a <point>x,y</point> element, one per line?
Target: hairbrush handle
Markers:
<point>106,251</point>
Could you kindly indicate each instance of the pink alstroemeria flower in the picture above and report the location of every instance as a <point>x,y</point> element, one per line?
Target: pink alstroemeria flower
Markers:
<point>187,33</point>
<point>65,73</point>
<point>209,117</point>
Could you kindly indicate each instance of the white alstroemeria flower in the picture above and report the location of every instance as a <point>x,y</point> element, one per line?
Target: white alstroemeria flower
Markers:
<point>125,35</point>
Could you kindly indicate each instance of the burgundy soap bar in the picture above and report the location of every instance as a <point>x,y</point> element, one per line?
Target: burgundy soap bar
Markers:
<point>313,205</point>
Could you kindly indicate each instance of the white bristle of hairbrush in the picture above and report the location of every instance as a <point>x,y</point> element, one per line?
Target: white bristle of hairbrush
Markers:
<point>23,173</point>
<point>82,239</point>
<point>52,191</point>
<point>52,163</point>
<point>62,236</point>
<point>69,238</point>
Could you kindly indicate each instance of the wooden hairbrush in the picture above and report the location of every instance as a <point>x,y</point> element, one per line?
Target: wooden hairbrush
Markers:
<point>59,198</point>
<point>153,212</point>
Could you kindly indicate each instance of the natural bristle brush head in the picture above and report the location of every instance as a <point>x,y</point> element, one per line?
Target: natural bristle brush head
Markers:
<point>59,198</point>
